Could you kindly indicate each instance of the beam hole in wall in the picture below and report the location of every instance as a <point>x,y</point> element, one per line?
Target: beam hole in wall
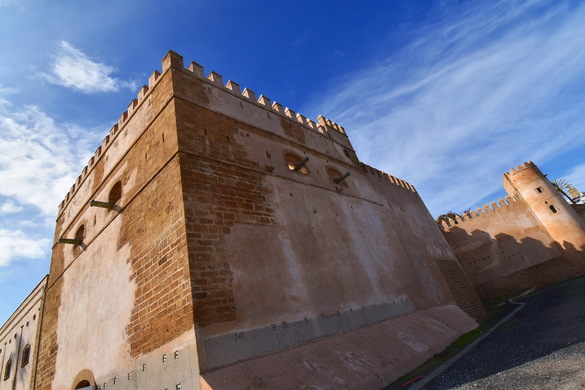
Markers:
<point>296,163</point>
<point>333,174</point>
<point>79,235</point>
<point>25,356</point>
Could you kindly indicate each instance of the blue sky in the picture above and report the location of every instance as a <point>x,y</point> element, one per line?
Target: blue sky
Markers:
<point>445,94</point>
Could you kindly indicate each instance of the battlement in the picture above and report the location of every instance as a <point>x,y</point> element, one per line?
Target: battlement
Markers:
<point>519,168</point>
<point>173,60</point>
<point>485,210</point>
<point>392,179</point>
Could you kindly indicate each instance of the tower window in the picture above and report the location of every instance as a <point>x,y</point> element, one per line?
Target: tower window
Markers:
<point>553,209</point>
<point>539,190</point>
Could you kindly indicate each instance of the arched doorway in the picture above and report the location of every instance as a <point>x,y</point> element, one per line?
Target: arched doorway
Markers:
<point>84,381</point>
<point>84,385</point>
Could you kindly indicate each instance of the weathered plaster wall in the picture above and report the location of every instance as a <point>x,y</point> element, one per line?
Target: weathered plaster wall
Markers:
<point>20,332</point>
<point>122,299</point>
<point>368,358</point>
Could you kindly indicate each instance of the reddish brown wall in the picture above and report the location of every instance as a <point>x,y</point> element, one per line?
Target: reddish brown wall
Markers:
<point>127,292</point>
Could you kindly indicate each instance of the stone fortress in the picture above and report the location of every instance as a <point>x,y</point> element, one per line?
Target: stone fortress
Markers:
<point>220,241</point>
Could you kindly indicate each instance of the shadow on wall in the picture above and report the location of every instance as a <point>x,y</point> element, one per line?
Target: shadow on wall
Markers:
<point>503,264</point>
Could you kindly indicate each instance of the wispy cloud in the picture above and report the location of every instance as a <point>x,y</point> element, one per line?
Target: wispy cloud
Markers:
<point>74,69</point>
<point>484,89</point>
<point>15,245</point>
<point>576,177</point>
<point>39,158</point>
<point>10,207</point>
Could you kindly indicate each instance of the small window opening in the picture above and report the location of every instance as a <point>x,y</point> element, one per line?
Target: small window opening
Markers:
<point>539,190</point>
<point>296,163</point>
<point>553,209</point>
<point>115,193</point>
<point>7,369</point>
<point>25,356</point>
<point>346,152</point>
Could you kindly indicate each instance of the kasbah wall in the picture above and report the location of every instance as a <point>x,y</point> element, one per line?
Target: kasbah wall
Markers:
<point>531,239</point>
<point>244,246</point>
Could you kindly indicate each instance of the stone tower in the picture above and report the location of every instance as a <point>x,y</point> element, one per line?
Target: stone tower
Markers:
<point>558,217</point>
<point>219,240</point>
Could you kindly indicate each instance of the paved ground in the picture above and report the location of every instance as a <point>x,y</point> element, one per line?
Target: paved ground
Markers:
<point>542,347</point>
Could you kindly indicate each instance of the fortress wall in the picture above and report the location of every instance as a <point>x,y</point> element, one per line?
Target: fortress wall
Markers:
<point>214,230</point>
<point>19,332</point>
<point>123,298</point>
<point>278,258</point>
<point>504,247</point>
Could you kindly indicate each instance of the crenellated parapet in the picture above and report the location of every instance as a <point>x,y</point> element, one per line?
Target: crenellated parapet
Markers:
<point>392,179</point>
<point>173,60</point>
<point>519,168</point>
<point>322,125</point>
<point>143,92</point>
<point>487,210</point>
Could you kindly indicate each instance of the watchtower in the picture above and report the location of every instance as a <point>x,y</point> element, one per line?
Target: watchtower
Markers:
<point>558,217</point>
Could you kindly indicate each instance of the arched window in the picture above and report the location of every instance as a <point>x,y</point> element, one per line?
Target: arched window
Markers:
<point>25,355</point>
<point>296,163</point>
<point>553,209</point>
<point>83,385</point>
<point>7,369</point>
<point>115,193</point>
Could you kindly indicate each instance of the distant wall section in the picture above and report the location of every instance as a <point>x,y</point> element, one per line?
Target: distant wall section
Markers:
<point>520,242</point>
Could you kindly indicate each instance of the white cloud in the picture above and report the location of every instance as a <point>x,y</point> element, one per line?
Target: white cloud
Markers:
<point>17,245</point>
<point>472,96</point>
<point>576,177</point>
<point>72,68</point>
<point>39,158</point>
<point>9,207</point>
